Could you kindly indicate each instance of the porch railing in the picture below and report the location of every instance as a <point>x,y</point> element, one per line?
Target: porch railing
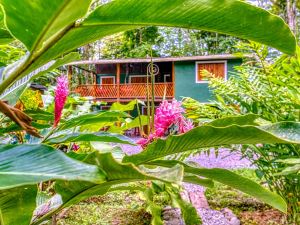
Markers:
<point>125,91</point>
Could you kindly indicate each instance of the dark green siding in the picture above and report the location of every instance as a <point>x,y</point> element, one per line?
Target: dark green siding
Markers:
<point>185,81</point>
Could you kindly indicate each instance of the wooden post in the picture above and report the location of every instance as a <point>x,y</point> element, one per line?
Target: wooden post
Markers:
<point>118,80</point>
<point>95,79</point>
<point>173,79</point>
<point>70,75</point>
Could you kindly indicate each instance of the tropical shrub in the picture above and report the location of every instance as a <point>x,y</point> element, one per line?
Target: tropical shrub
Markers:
<point>57,28</point>
<point>272,91</point>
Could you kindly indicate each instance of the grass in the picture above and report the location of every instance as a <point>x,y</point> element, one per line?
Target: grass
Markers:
<point>249,210</point>
<point>129,208</point>
<point>126,208</point>
<point>222,196</point>
<point>117,208</point>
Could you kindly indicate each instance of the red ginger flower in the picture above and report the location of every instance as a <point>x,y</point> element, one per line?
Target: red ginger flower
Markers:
<point>168,120</point>
<point>61,94</point>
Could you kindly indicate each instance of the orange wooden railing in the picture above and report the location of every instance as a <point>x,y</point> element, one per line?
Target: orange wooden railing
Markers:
<point>125,91</point>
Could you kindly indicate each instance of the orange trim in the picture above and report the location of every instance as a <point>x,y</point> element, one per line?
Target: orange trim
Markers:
<point>125,91</point>
<point>118,80</point>
<point>70,75</point>
<point>173,78</point>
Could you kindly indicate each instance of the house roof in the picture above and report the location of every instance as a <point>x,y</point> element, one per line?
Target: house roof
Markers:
<point>148,60</point>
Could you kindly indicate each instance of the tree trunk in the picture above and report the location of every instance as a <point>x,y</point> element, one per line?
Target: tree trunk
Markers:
<point>54,222</point>
<point>291,11</point>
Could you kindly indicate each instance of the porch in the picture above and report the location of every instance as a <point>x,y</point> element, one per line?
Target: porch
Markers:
<point>124,92</point>
<point>110,81</point>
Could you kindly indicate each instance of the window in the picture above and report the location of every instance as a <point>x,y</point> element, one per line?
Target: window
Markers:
<point>107,80</point>
<point>205,70</point>
<point>138,79</point>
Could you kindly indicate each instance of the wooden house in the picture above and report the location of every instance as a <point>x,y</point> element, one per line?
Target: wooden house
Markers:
<point>124,80</point>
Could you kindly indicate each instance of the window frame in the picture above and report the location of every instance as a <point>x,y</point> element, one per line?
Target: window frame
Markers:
<point>209,62</point>
<point>114,78</point>
<point>134,76</point>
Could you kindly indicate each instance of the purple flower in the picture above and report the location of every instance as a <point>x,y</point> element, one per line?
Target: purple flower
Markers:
<point>61,94</point>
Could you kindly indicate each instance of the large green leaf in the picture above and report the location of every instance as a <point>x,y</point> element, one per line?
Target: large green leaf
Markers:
<point>233,180</point>
<point>14,92</point>
<point>17,205</point>
<point>231,17</point>
<point>189,178</point>
<point>54,31</point>
<point>117,173</point>
<point>249,119</point>
<point>5,37</point>
<point>14,127</point>
<point>210,136</point>
<point>154,209</point>
<point>188,211</point>
<point>49,18</point>
<point>30,164</point>
<point>98,137</point>
<point>100,117</point>
<point>39,114</point>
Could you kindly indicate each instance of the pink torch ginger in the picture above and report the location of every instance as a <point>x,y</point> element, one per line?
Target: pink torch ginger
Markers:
<point>61,94</point>
<point>168,120</point>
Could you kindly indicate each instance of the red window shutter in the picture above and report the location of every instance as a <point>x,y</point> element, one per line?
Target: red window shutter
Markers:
<point>217,69</point>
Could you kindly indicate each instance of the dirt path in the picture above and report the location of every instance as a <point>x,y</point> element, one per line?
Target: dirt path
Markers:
<point>195,193</point>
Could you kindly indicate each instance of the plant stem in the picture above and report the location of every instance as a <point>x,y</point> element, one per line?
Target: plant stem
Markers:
<point>153,94</point>
<point>140,120</point>
<point>49,134</point>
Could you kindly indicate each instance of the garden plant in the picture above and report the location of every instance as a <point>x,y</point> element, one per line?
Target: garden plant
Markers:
<point>36,163</point>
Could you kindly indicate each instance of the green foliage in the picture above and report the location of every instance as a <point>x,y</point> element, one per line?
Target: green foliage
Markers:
<point>222,196</point>
<point>271,90</point>
<point>137,43</point>
<point>183,42</point>
<point>13,200</point>
<point>10,53</point>
<point>32,164</point>
<point>87,137</point>
<point>89,119</point>
<point>31,100</point>
<point>102,210</point>
<point>65,26</point>
<point>54,34</point>
<point>293,166</point>
<point>233,180</point>
<point>209,136</point>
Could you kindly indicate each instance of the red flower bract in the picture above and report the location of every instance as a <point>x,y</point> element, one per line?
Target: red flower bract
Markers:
<point>61,94</point>
<point>168,120</point>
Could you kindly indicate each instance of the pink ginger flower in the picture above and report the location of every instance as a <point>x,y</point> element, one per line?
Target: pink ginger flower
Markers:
<point>168,115</point>
<point>75,147</point>
<point>61,94</point>
<point>168,120</point>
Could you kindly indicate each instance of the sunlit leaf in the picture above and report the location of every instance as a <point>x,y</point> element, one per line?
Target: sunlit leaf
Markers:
<point>30,164</point>
<point>233,180</point>
<point>99,137</point>
<point>210,136</point>
<point>17,205</point>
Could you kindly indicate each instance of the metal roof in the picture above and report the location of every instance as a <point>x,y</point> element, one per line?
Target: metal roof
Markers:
<point>148,60</point>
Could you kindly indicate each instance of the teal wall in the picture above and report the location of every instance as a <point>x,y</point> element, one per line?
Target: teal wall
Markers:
<point>185,80</point>
<point>122,77</point>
